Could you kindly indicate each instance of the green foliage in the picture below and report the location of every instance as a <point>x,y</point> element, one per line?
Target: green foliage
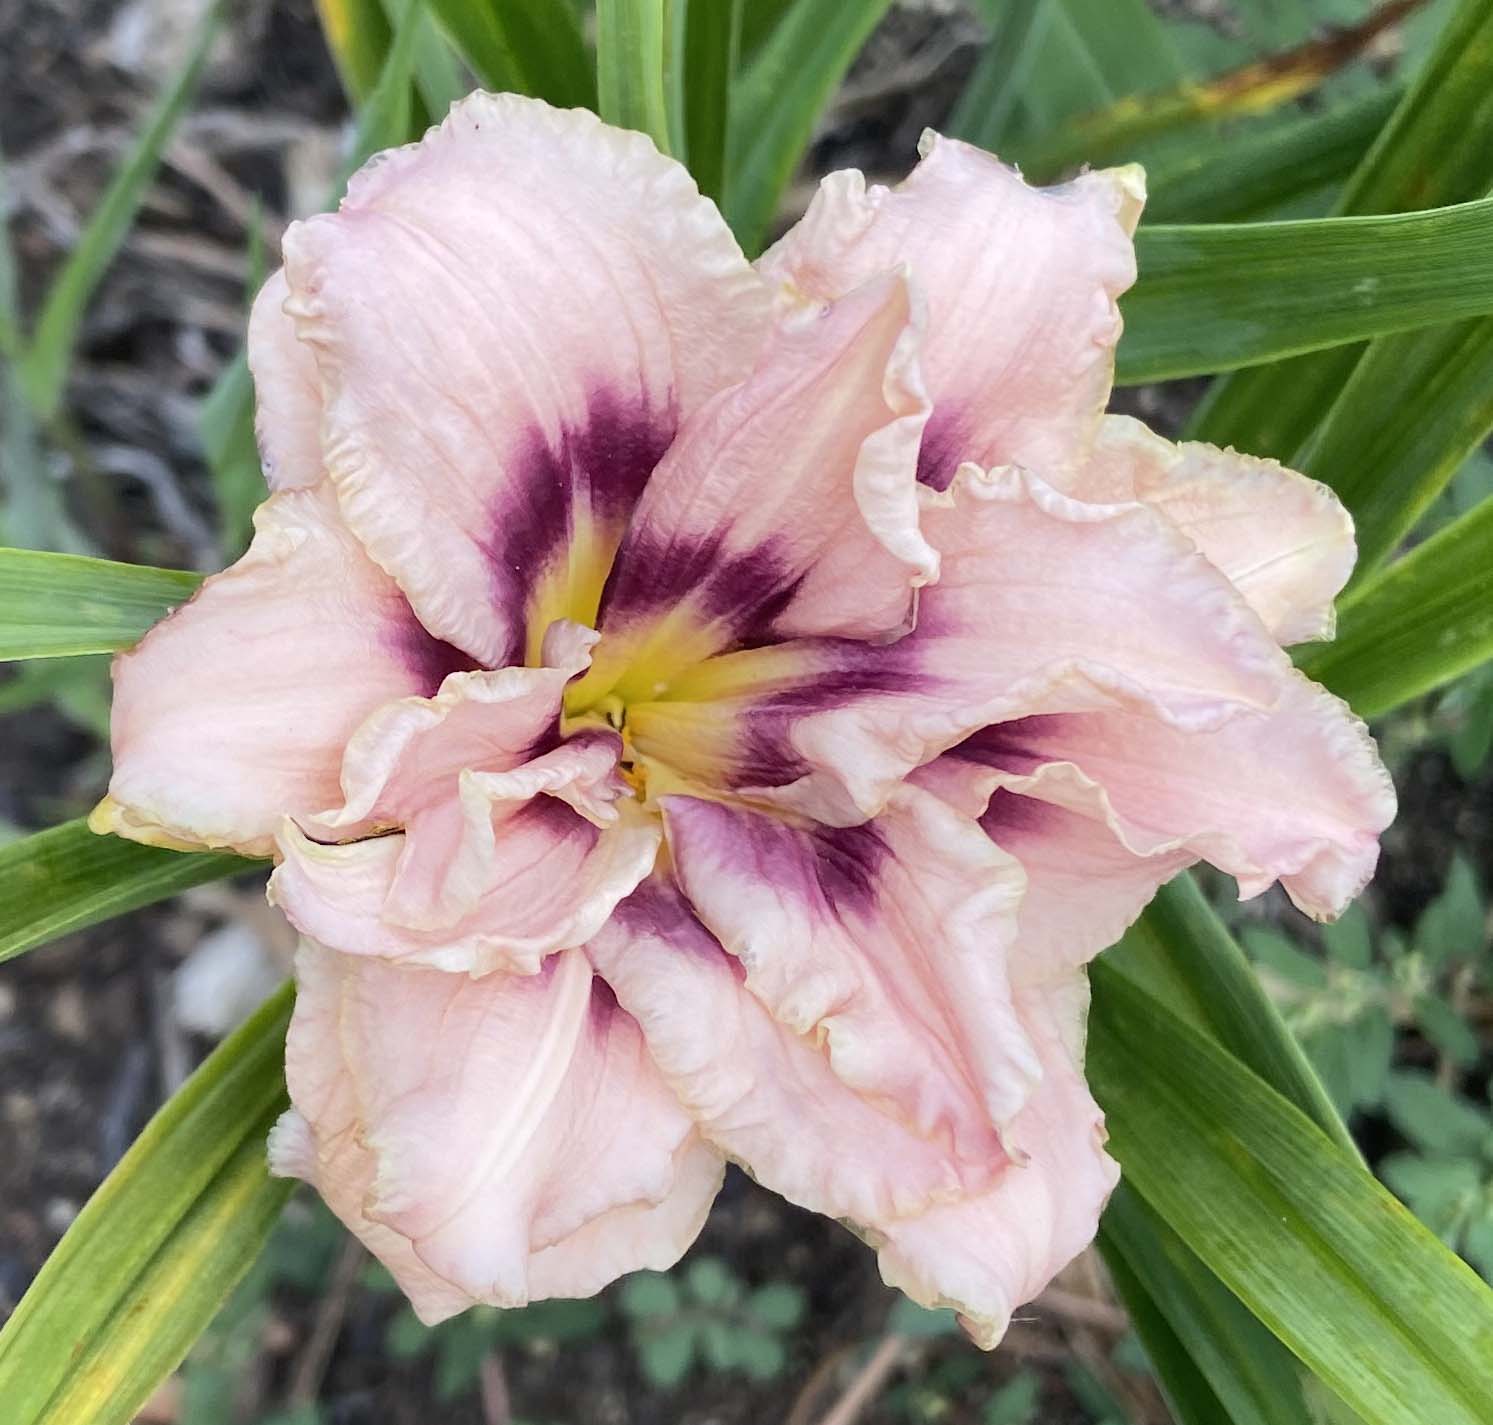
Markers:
<point>457,1347</point>
<point>705,1313</point>
<point>1015,1403</point>
<point>1446,1178</point>
<point>151,1257</point>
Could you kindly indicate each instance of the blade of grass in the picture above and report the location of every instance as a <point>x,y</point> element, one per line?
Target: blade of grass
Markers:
<point>1416,624</point>
<point>359,34</point>
<point>45,364</point>
<point>67,878</point>
<point>1001,73</point>
<point>1217,296</point>
<point>630,50</point>
<point>781,97</point>
<point>1249,174</point>
<point>1217,1364</point>
<point>712,37</point>
<point>56,605</point>
<point>1434,151</point>
<point>1332,1264</point>
<point>158,1247</point>
<point>527,46</point>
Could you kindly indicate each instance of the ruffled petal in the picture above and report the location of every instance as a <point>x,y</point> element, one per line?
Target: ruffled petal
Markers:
<point>233,712</point>
<point>885,941</point>
<point>1294,793</point>
<point>287,392</point>
<point>788,505</point>
<point>1084,884</point>
<point>511,318</point>
<point>1284,541</point>
<point>986,1255</point>
<point>534,875</point>
<point>1021,285</point>
<point>769,1098</point>
<point>1044,604</point>
<point>492,1140</point>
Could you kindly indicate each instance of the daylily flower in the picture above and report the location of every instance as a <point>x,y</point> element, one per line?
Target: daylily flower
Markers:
<point>703,711</point>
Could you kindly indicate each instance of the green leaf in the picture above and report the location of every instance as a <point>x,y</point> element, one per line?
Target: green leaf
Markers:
<point>630,50</point>
<point>781,97</point>
<point>1223,295</point>
<point>1249,175</point>
<point>1317,1250</point>
<point>1284,957</point>
<point>67,878</point>
<point>387,118</point>
<point>1434,151</point>
<point>711,1283</point>
<point>1416,624</point>
<point>1432,1118</point>
<point>57,605</point>
<point>156,1250</point>
<point>1447,1031</point>
<point>528,46</point>
<point>225,424</point>
<point>1001,72</point>
<point>1455,924</point>
<point>358,34</point>
<point>1015,1403</point>
<point>666,1354</point>
<point>712,39</point>
<point>1217,1363</point>
<point>779,1305</point>
<point>650,1294</point>
<point>45,364</point>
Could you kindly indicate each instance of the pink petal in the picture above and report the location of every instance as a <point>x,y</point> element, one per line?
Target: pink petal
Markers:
<point>234,711</point>
<point>510,319</point>
<point>1084,884</point>
<point>287,389</point>
<point>769,1098</point>
<point>986,1255</point>
<point>884,941</point>
<point>1021,285</point>
<point>1285,541</point>
<point>492,1139</point>
<point>787,505</point>
<point>544,879</point>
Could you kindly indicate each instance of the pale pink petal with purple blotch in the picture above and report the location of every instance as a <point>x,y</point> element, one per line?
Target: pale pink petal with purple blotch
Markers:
<point>1044,604</point>
<point>789,504</point>
<point>1295,793</point>
<point>522,1143</point>
<point>545,878</point>
<point>234,711</point>
<point>886,942</point>
<point>287,392</point>
<point>1021,285</point>
<point>1285,541</point>
<point>765,1096</point>
<point>768,1098</point>
<point>1084,884</point>
<point>511,318</point>
<point>987,1255</point>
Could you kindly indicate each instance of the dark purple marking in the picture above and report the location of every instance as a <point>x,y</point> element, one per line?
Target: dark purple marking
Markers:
<point>1021,745</point>
<point>944,446</point>
<point>558,819</point>
<point>658,908</point>
<point>427,657</point>
<point>744,593</point>
<point>604,1005</point>
<point>823,865</point>
<point>851,670</point>
<point>1010,811</point>
<point>603,463</point>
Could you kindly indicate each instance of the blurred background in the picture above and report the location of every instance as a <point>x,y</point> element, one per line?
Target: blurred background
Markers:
<point>150,163</point>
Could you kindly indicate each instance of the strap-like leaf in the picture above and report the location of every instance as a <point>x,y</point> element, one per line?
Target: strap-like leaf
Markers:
<point>54,605</point>
<point>358,34</point>
<point>631,42</point>
<point>1223,295</point>
<point>67,878</point>
<point>44,367</point>
<point>1293,1225</point>
<point>527,46</point>
<point>1417,624</point>
<point>711,44</point>
<point>157,1248</point>
<point>780,99</point>
<point>1217,1363</point>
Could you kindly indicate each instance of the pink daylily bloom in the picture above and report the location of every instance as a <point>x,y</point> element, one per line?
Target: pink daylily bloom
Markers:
<point>705,711</point>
